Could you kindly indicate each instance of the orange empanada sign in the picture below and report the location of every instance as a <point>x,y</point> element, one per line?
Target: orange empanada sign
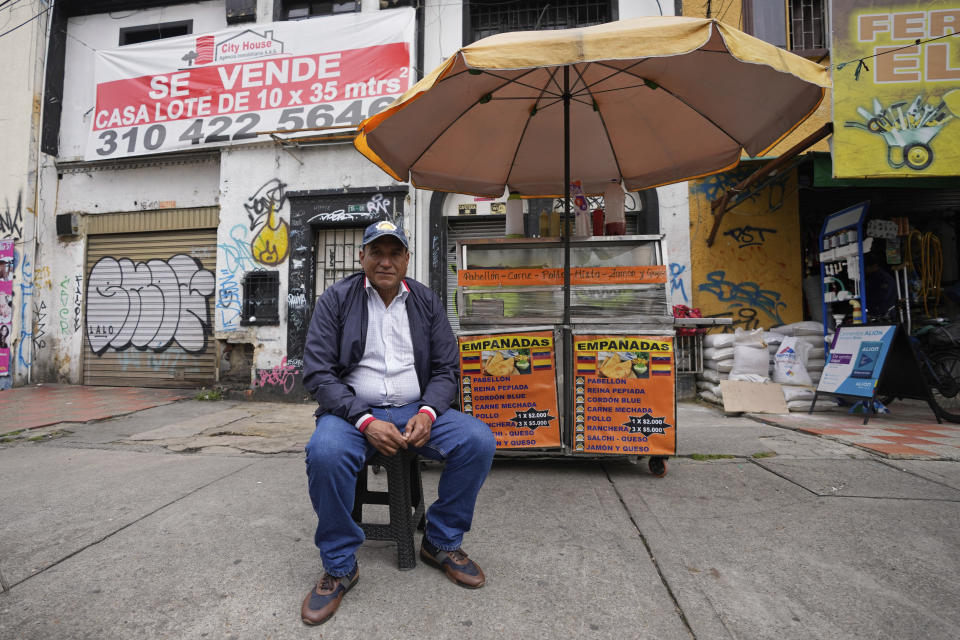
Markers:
<point>624,395</point>
<point>508,380</point>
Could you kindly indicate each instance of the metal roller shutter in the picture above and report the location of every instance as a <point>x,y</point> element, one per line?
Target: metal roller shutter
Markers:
<point>149,309</point>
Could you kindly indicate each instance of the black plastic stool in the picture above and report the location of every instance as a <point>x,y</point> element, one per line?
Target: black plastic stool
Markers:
<point>404,495</point>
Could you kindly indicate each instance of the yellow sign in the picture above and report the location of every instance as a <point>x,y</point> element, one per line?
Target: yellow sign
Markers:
<point>896,88</point>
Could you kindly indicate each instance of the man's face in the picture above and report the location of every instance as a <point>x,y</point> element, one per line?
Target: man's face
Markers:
<point>385,262</point>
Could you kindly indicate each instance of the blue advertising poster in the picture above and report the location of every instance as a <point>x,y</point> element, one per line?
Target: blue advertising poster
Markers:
<point>856,360</point>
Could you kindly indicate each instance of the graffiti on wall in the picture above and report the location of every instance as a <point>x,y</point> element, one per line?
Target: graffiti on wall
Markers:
<point>282,377</point>
<point>77,302</point>
<point>771,193</point>
<point>63,311</point>
<point>271,242</point>
<point>11,220</point>
<point>25,346</point>
<point>752,273</point>
<point>149,305</point>
<point>744,295</point>
<point>237,259</point>
<point>39,325</point>
<point>677,287</point>
<point>749,236</point>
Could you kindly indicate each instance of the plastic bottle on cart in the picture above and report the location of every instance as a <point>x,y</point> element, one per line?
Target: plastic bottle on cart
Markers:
<point>514,216</point>
<point>615,223</point>
<point>597,220</point>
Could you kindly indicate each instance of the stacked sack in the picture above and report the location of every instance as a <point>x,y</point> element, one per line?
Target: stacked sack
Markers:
<point>742,355</point>
<point>717,364</point>
<point>798,351</point>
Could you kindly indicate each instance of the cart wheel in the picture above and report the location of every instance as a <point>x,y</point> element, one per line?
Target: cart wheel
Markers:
<point>658,466</point>
<point>918,156</point>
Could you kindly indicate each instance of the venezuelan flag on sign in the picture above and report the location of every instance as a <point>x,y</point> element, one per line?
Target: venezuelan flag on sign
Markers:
<point>541,360</point>
<point>655,360</point>
<point>587,365</point>
<point>472,364</point>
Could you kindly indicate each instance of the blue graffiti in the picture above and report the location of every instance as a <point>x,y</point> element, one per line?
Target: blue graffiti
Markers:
<point>676,279</point>
<point>748,236</point>
<point>713,187</point>
<point>237,258</point>
<point>744,294</point>
<point>228,301</point>
<point>237,255</point>
<point>25,356</point>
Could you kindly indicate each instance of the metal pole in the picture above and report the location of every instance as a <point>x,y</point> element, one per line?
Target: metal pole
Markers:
<point>567,329</point>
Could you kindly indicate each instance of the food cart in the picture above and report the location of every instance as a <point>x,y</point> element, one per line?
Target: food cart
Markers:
<point>602,385</point>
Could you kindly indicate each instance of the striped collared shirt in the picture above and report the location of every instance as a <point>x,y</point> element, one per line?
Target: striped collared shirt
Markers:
<point>386,374</point>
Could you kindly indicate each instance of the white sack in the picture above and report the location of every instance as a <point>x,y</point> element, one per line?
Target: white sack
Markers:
<point>713,388</point>
<point>718,353</point>
<point>772,337</point>
<point>710,375</point>
<point>805,328</point>
<point>751,361</point>
<point>718,340</point>
<point>823,404</point>
<point>709,397</point>
<point>789,362</point>
<point>796,393</point>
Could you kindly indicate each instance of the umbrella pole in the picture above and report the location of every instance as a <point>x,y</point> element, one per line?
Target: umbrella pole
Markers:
<point>567,328</point>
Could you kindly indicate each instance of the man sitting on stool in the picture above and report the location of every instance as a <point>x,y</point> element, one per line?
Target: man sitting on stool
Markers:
<point>380,360</point>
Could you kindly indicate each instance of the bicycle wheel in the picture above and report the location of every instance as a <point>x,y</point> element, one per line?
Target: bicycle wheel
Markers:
<point>945,384</point>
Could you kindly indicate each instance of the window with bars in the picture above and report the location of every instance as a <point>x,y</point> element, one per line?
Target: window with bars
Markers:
<point>798,25</point>
<point>808,25</point>
<point>488,17</point>
<point>338,255</point>
<point>261,298</point>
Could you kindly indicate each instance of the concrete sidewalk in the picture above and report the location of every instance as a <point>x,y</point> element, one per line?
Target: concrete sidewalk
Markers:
<point>173,522</point>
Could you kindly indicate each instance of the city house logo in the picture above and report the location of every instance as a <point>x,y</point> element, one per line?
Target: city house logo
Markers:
<point>246,45</point>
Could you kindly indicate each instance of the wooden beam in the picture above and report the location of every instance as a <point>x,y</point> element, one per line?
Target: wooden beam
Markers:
<point>720,206</point>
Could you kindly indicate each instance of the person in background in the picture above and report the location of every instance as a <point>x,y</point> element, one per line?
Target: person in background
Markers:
<point>380,359</point>
<point>881,288</point>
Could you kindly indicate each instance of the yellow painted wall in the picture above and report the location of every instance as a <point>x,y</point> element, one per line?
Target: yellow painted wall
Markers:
<point>753,271</point>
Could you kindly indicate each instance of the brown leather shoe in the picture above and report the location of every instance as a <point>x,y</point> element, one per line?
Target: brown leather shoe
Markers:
<point>458,567</point>
<point>324,599</point>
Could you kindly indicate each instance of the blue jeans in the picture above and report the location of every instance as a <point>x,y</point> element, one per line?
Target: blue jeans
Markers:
<point>337,452</point>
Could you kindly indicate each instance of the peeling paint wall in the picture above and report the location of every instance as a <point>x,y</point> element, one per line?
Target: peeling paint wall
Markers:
<point>753,271</point>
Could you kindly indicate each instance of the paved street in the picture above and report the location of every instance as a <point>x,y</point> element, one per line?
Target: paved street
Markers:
<point>190,519</point>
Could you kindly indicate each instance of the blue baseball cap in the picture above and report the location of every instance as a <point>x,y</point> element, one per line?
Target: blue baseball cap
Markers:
<point>384,228</point>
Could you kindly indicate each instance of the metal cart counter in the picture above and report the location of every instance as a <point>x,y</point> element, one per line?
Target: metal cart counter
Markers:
<point>603,384</point>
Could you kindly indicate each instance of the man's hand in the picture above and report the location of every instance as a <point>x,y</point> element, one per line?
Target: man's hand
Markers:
<point>417,431</point>
<point>385,437</point>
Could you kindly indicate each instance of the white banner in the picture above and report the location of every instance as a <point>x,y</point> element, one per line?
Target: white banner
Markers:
<point>224,87</point>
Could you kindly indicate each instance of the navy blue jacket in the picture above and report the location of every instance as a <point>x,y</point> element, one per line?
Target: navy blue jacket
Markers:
<point>338,335</point>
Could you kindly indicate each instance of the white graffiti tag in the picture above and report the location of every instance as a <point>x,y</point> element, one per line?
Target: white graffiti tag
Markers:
<point>149,305</point>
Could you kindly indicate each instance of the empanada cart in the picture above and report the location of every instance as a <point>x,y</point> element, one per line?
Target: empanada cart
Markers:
<point>603,384</point>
